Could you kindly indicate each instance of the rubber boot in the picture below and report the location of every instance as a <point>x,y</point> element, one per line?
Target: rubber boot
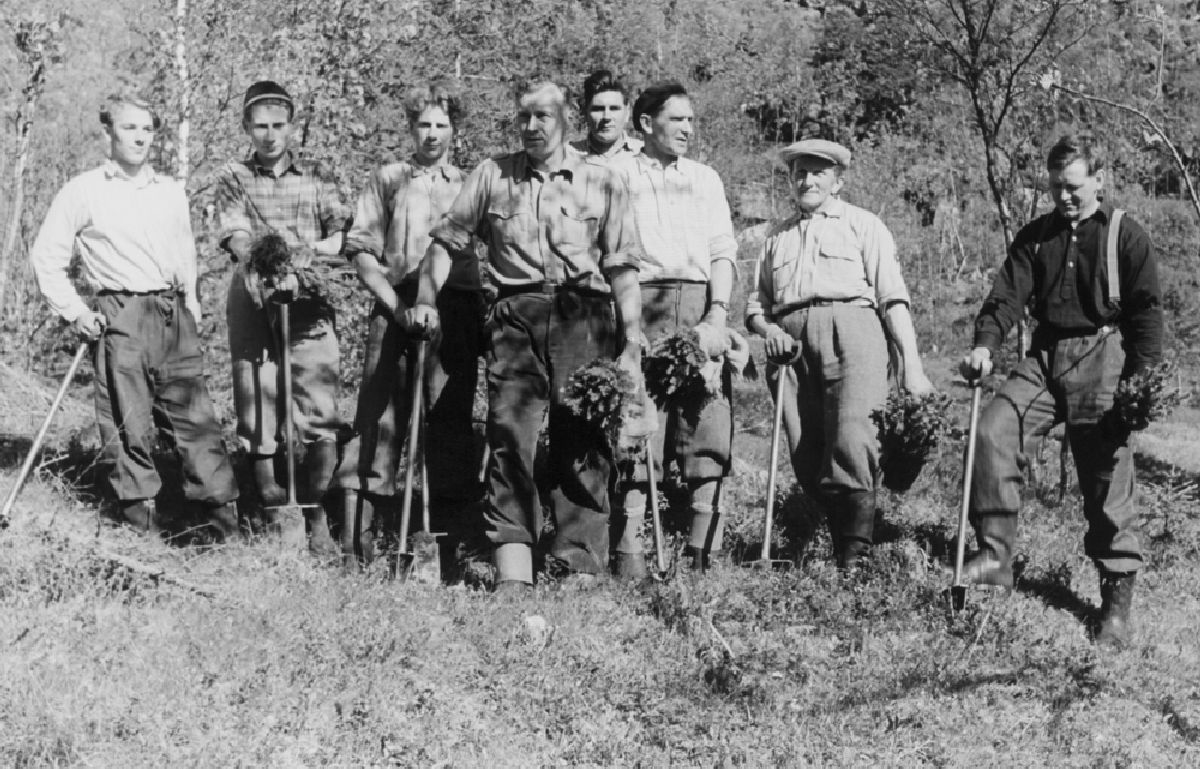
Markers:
<point>514,568</point>
<point>855,529</point>
<point>320,463</point>
<point>1116,600</point>
<point>269,490</point>
<point>223,516</point>
<point>630,561</point>
<point>992,564</point>
<point>142,515</point>
<point>358,541</point>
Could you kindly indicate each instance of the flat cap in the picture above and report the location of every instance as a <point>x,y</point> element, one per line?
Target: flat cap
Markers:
<point>818,148</point>
<point>265,89</point>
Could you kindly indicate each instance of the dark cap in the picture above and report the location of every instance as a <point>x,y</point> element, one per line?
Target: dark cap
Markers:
<point>265,89</point>
<point>817,148</point>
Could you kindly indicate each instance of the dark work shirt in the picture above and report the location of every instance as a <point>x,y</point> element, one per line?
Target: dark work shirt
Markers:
<point>1065,285</point>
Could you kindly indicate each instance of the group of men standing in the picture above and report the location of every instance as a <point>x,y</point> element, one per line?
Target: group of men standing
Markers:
<point>592,249</point>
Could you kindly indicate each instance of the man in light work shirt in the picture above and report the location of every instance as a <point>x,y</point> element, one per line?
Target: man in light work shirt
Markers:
<point>686,279</point>
<point>133,232</point>
<point>274,192</point>
<point>564,253</point>
<point>400,205</point>
<point>1059,266</point>
<point>606,112</point>
<point>824,278</point>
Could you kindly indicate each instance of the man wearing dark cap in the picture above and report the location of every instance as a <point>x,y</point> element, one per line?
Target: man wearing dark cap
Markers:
<point>564,253</point>
<point>274,192</point>
<point>133,234</point>
<point>825,279</point>
<point>1088,272</point>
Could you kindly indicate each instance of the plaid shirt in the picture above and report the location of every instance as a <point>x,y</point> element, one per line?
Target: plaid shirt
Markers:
<point>570,227</point>
<point>400,205</point>
<point>301,204</point>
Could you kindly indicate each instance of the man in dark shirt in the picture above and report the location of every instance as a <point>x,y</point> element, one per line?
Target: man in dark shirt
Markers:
<point>1058,266</point>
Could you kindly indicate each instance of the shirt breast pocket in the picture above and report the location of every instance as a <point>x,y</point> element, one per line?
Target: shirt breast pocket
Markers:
<point>840,260</point>
<point>511,223</point>
<point>783,276</point>
<point>578,228</point>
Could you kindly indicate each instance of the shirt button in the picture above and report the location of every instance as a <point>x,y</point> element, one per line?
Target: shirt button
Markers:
<point>1070,264</point>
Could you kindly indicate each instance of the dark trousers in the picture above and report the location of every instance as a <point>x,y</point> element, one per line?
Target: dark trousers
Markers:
<point>150,377</point>
<point>452,455</point>
<point>1071,380</point>
<point>536,342</point>
<point>697,435</point>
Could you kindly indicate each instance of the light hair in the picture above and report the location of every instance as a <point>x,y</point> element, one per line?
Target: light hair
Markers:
<point>539,87</point>
<point>114,102</point>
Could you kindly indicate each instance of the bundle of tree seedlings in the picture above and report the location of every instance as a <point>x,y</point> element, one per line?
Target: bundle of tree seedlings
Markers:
<point>910,428</point>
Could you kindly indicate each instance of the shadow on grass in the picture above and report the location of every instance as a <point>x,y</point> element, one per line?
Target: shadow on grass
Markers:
<point>1053,588</point>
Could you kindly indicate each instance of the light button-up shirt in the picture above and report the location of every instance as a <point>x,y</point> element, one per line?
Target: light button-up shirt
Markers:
<point>841,253</point>
<point>131,233</point>
<point>682,218</point>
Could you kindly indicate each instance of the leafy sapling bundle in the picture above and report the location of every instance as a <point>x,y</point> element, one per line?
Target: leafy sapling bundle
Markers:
<point>674,367</point>
<point>910,427</point>
<point>271,260</point>
<point>1146,396</point>
<point>596,394</point>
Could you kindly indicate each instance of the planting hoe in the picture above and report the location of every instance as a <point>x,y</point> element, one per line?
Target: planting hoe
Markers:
<point>41,435</point>
<point>660,551</point>
<point>764,558</point>
<point>420,559</point>
<point>958,590</point>
<point>287,520</point>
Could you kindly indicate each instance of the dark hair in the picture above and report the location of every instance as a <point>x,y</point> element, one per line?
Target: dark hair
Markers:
<point>114,102</point>
<point>268,93</point>
<point>598,82</point>
<point>439,93</point>
<point>1070,148</point>
<point>653,98</point>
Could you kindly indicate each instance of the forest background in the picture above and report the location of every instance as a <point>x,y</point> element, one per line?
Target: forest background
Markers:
<point>240,656</point>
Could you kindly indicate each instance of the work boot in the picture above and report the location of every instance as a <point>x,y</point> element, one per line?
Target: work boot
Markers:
<point>992,563</point>
<point>1116,599</point>
<point>514,566</point>
<point>320,463</point>
<point>142,515</point>
<point>269,490</point>
<point>223,516</point>
<point>705,537</point>
<point>358,541</point>
<point>855,529</point>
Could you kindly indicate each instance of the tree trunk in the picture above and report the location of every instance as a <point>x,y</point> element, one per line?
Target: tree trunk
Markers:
<point>33,90</point>
<point>181,170</point>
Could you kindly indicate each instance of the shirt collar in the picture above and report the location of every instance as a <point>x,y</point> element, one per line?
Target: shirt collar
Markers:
<point>145,176</point>
<point>1102,214</point>
<point>567,170</point>
<point>647,163</point>
<point>416,170</point>
<point>260,170</point>
<point>834,208</point>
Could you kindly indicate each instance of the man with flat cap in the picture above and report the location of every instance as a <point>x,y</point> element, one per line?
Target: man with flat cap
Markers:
<point>274,192</point>
<point>826,278</point>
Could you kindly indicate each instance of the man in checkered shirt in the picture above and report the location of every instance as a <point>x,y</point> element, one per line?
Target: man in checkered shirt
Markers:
<point>273,191</point>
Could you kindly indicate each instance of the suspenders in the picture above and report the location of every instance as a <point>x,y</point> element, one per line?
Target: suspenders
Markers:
<point>1110,255</point>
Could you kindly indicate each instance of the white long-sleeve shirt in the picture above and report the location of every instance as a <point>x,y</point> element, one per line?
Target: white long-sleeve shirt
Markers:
<point>682,218</point>
<point>132,234</point>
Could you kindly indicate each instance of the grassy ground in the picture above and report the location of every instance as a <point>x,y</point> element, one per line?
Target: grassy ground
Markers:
<point>296,665</point>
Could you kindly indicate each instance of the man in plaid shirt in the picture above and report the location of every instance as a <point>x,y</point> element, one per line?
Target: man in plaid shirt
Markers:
<point>273,192</point>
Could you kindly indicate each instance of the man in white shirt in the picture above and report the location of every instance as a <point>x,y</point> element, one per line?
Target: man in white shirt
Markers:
<point>686,279</point>
<point>133,233</point>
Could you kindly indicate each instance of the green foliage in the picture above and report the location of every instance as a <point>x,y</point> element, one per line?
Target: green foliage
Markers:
<point>910,428</point>
<point>596,394</point>
<point>672,367</point>
<point>1146,396</point>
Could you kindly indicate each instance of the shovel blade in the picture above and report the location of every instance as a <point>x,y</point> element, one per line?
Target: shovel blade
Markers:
<point>287,523</point>
<point>426,565</point>
<point>958,597</point>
